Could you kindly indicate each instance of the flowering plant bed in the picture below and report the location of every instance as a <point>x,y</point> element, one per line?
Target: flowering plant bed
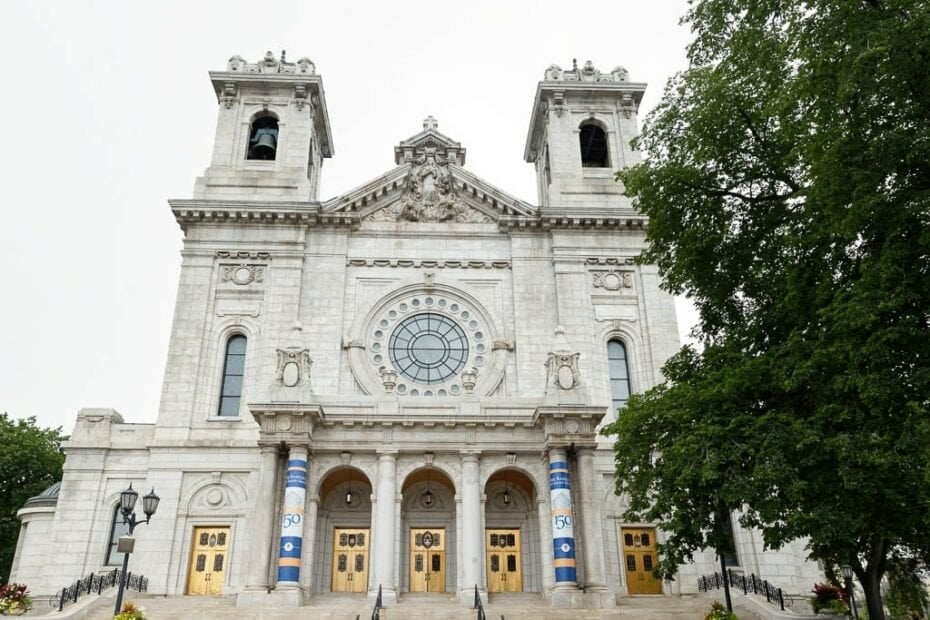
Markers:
<point>130,612</point>
<point>14,599</point>
<point>829,598</point>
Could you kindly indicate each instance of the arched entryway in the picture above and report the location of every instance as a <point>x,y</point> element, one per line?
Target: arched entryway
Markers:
<point>344,532</point>
<point>428,532</point>
<point>511,536</point>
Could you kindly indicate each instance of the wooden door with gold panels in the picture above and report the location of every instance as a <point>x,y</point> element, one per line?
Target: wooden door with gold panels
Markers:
<point>350,560</point>
<point>640,558</point>
<point>209,553</point>
<point>428,560</point>
<point>505,571</point>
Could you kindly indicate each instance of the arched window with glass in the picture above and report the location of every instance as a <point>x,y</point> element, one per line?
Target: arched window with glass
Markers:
<point>233,371</point>
<point>117,529</point>
<point>619,371</point>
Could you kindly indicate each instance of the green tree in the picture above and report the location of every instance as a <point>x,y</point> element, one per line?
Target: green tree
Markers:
<point>787,186</point>
<point>30,461</point>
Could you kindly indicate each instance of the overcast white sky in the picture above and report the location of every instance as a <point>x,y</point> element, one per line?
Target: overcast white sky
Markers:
<point>108,112</point>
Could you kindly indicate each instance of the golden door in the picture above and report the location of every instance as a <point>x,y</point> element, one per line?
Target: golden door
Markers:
<point>350,560</point>
<point>428,560</point>
<point>209,553</point>
<point>505,571</point>
<point>640,558</point>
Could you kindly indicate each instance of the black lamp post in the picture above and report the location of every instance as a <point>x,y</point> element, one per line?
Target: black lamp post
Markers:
<point>847,577</point>
<point>127,504</point>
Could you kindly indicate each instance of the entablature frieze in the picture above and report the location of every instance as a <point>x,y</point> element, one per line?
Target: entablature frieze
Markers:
<point>570,425</point>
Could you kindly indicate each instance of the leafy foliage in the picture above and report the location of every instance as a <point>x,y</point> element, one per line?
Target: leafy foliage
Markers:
<point>30,461</point>
<point>130,611</point>
<point>787,187</point>
<point>719,612</point>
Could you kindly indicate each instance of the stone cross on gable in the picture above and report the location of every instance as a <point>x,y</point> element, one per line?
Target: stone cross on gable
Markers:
<point>430,123</point>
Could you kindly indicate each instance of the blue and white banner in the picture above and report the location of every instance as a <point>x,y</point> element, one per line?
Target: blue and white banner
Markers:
<point>292,521</point>
<point>563,531</point>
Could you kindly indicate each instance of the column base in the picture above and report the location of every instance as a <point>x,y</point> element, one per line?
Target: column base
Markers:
<point>566,596</point>
<point>599,597</point>
<point>388,596</point>
<point>466,597</point>
<point>281,596</point>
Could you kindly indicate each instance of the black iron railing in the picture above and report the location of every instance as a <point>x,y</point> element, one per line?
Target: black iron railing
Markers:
<point>96,583</point>
<point>376,611</point>
<point>479,606</point>
<point>750,584</point>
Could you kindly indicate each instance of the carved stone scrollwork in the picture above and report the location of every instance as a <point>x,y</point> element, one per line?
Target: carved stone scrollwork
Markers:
<point>429,195</point>
<point>613,280</point>
<point>293,366</point>
<point>300,95</point>
<point>243,274</point>
<point>229,93</point>
<point>563,377</point>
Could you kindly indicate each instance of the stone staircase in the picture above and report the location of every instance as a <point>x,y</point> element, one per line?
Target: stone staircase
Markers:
<point>526,606</point>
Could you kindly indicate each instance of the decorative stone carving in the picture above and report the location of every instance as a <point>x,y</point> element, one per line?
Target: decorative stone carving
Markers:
<point>429,195</point>
<point>503,344</point>
<point>389,379</point>
<point>270,64</point>
<point>469,378</point>
<point>293,362</point>
<point>243,254</point>
<point>563,378</point>
<point>243,274</point>
<point>588,73</point>
<point>293,366</point>
<point>613,280</point>
<point>305,65</point>
<point>428,264</point>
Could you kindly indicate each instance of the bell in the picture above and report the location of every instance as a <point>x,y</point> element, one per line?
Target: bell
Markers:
<point>264,143</point>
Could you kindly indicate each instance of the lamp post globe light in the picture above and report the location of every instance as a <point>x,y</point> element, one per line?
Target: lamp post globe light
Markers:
<point>847,578</point>
<point>127,505</point>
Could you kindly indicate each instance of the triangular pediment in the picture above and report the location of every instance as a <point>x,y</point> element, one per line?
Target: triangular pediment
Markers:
<point>429,190</point>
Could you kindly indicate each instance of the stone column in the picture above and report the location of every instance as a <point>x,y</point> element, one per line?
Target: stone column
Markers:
<point>593,548</point>
<point>471,547</point>
<point>257,573</point>
<point>386,528</point>
<point>260,544</point>
<point>545,543</point>
<point>310,542</point>
<point>292,518</point>
<point>565,593</point>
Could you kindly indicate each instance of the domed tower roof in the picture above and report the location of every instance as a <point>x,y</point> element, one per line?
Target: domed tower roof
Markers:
<point>48,497</point>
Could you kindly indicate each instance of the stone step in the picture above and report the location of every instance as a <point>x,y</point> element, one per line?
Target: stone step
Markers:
<point>526,606</point>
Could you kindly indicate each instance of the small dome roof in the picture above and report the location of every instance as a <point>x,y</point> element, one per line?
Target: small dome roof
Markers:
<point>48,497</point>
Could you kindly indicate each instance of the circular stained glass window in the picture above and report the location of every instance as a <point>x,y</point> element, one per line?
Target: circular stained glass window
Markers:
<point>428,348</point>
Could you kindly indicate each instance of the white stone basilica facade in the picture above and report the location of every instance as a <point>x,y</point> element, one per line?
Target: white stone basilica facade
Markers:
<point>400,386</point>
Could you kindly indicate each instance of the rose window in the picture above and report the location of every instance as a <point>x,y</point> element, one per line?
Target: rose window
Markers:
<point>428,348</point>
<point>429,341</point>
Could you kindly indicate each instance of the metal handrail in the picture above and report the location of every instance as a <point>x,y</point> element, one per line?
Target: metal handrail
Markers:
<point>376,611</point>
<point>96,583</point>
<point>479,605</point>
<point>749,585</point>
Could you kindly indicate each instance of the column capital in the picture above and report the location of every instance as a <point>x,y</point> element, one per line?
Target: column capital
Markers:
<point>469,456</point>
<point>386,454</point>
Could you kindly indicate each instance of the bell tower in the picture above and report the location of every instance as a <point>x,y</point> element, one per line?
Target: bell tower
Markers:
<point>579,135</point>
<point>272,132</point>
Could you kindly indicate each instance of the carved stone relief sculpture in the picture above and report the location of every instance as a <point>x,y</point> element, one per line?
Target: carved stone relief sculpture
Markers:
<point>429,195</point>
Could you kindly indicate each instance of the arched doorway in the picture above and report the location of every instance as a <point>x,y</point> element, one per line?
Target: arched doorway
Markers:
<point>428,536</point>
<point>344,532</point>
<point>511,536</point>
